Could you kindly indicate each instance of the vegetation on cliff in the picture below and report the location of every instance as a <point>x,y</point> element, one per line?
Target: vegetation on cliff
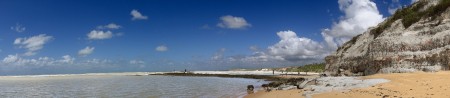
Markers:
<point>315,67</point>
<point>413,14</point>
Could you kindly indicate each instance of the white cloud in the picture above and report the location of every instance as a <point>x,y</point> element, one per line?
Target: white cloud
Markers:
<point>260,56</point>
<point>18,28</point>
<point>137,15</point>
<point>359,16</point>
<point>67,59</point>
<point>110,26</point>
<point>289,48</point>
<point>98,61</point>
<point>162,48</point>
<point>233,22</point>
<point>43,61</point>
<point>11,59</point>
<point>293,48</point>
<point>98,35</point>
<point>136,62</point>
<point>19,61</point>
<point>86,51</point>
<point>33,43</point>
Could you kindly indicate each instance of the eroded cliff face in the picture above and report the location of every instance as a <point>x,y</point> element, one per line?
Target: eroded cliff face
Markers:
<point>423,45</point>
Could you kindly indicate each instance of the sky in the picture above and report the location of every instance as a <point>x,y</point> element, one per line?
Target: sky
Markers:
<point>89,36</point>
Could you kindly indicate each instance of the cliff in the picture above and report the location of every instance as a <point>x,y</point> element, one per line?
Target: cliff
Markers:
<point>415,38</point>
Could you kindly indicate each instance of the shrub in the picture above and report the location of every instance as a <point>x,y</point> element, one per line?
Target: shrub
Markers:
<point>316,67</point>
<point>411,15</point>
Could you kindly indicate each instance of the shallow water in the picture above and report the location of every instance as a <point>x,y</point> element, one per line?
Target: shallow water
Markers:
<point>124,86</point>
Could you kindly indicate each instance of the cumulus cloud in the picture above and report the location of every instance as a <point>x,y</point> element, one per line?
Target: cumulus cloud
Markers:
<point>99,35</point>
<point>232,22</point>
<point>17,64</point>
<point>19,61</point>
<point>359,16</point>
<point>137,15</point>
<point>161,48</point>
<point>86,51</point>
<point>109,26</point>
<point>67,59</point>
<point>11,58</point>
<point>18,28</point>
<point>33,43</point>
<point>44,61</point>
<point>290,48</point>
<point>101,62</point>
<point>294,48</point>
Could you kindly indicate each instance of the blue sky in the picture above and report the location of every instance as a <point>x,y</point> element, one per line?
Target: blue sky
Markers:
<point>58,36</point>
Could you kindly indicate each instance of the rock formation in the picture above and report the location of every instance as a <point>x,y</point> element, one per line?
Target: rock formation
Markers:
<point>414,38</point>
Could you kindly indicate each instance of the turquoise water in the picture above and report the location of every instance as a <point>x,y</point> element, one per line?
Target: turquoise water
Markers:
<point>124,86</point>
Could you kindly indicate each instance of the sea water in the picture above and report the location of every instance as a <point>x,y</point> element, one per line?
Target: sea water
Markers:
<point>120,86</point>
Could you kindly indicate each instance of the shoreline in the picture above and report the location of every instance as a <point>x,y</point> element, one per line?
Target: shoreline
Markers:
<point>274,81</point>
<point>293,93</point>
<point>247,76</point>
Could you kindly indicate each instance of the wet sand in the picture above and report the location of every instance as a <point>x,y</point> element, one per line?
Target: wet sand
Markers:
<point>295,93</point>
<point>405,85</point>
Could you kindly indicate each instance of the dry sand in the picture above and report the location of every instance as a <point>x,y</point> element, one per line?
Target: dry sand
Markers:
<point>405,85</point>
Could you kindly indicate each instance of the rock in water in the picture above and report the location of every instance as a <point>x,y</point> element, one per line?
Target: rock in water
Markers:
<point>250,89</point>
<point>415,38</point>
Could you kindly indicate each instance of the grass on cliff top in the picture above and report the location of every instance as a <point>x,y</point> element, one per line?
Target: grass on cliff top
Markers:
<point>316,67</point>
<point>411,15</point>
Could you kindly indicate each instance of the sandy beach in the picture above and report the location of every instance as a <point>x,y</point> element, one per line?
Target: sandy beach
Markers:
<point>405,85</point>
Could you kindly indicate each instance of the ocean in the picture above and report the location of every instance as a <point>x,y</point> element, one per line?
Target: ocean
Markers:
<point>122,86</point>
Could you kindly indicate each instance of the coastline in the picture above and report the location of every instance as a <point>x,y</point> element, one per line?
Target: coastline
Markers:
<point>417,84</point>
<point>275,81</point>
<point>293,93</point>
<point>406,85</point>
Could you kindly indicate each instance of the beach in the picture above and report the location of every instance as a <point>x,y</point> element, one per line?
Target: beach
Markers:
<point>294,93</point>
<point>405,85</point>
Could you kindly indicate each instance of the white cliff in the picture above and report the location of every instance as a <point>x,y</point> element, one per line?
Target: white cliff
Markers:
<point>415,38</point>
